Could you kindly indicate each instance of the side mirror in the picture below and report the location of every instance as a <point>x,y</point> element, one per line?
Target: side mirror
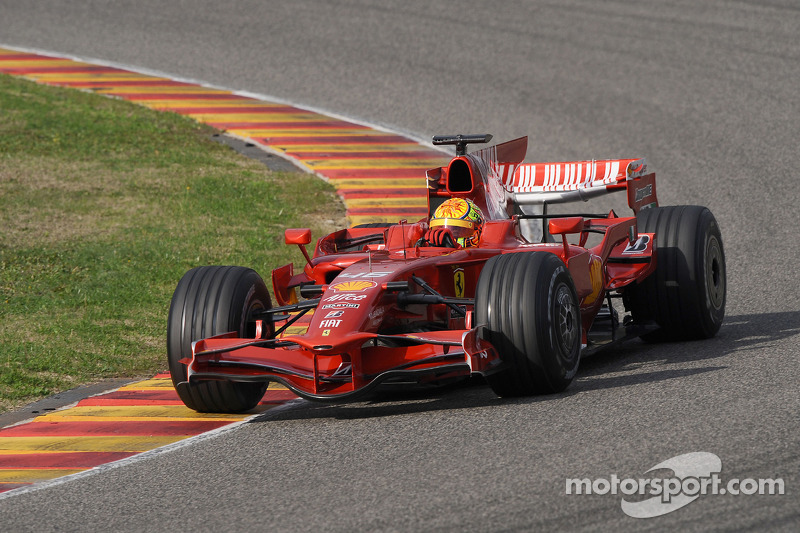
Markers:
<point>300,237</point>
<point>564,226</point>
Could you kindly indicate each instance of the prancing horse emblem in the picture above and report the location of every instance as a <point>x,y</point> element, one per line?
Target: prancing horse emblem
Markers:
<point>458,282</point>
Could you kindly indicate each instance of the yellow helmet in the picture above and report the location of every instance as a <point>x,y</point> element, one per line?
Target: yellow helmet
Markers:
<point>464,219</point>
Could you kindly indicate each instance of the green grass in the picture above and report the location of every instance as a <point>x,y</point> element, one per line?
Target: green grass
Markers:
<point>103,207</point>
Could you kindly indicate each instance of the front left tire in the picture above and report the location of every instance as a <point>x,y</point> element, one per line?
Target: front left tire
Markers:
<point>208,301</point>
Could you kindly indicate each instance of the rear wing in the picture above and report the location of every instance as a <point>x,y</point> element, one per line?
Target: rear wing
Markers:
<point>497,180</point>
<point>551,183</point>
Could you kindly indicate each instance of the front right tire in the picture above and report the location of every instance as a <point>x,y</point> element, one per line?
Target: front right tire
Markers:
<point>528,307</point>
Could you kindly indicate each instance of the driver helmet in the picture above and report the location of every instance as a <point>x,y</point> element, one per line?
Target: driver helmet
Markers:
<point>464,219</point>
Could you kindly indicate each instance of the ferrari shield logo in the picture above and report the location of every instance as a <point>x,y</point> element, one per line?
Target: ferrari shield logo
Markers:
<point>458,282</point>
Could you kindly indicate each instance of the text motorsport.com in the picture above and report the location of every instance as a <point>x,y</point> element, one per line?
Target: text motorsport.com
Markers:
<point>695,474</point>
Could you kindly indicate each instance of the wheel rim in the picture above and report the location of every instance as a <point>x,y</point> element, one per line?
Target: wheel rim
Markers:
<point>715,273</point>
<point>252,304</point>
<point>249,326</point>
<point>566,322</point>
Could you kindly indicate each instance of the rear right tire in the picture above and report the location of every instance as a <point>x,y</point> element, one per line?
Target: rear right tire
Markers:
<point>686,294</point>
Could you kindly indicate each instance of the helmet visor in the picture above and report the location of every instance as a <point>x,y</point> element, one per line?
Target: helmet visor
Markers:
<point>460,228</point>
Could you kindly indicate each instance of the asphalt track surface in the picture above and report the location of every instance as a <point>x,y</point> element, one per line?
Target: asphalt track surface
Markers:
<point>707,91</point>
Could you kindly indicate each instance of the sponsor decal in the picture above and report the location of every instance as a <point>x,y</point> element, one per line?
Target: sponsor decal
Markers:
<point>345,298</point>
<point>373,275</point>
<point>342,305</point>
<point>458,282</point>
<point>334,314</point>
<point>354,286</point>
<point>644,192</point>
<point>596,277</point>
<point>376,316</point>
<point>326,333</point>
<point>329,323</point>
<point>638,247</point>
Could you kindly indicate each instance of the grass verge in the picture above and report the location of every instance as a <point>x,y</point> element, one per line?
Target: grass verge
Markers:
<point>103,206</point>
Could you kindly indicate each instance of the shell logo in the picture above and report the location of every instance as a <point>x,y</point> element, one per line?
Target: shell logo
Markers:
<point>354,286</point>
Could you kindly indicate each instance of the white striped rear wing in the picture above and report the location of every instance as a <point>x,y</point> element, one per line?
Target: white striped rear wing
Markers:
<point>536,183</point>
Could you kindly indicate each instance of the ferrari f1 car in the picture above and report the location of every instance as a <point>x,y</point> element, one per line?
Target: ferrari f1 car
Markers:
<point>464,291</point>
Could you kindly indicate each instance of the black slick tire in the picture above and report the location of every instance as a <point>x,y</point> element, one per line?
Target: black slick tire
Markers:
<point>528,307</point>
<point>208,301</point>
<point>686,294</point>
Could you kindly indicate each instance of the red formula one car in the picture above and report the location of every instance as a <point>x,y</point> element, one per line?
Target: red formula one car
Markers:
<point>488,284</point>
